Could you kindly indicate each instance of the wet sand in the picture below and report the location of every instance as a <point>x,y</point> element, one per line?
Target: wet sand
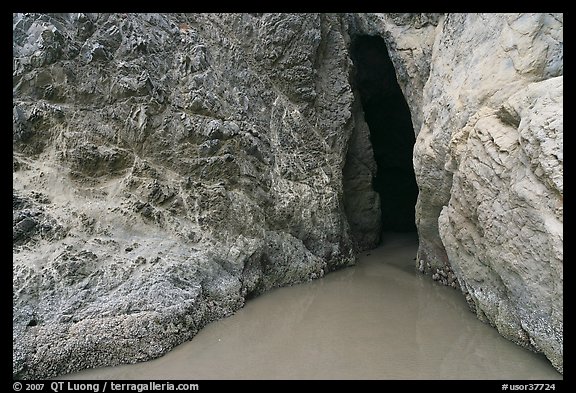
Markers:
<point>377,320</point>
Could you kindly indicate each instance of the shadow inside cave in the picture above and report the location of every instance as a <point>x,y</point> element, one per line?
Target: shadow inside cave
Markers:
<point>392,137</point>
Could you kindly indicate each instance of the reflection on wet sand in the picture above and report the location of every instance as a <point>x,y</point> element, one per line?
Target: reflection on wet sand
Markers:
<point>377,320</point>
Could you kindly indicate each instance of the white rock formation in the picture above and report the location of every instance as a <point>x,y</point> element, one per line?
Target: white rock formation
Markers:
<point>485,93</point>
<point>489,164</point>
<point>502,228</point>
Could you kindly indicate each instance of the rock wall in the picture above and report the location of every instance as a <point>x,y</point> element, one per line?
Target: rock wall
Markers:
<point>502,227</point>
<point>166,167</point>
<point>485,92</point>
<point>489,166</point>
<point>361,202</point>
<point>489,162</point>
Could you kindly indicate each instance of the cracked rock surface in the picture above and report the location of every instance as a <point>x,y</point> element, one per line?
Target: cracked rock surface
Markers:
<point>166,167</point>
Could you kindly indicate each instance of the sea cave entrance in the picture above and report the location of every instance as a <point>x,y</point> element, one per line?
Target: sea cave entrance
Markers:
<point>380,189</point>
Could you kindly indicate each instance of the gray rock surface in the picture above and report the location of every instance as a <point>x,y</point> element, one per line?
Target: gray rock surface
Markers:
<point>166,167</point>
<point>361,202</point>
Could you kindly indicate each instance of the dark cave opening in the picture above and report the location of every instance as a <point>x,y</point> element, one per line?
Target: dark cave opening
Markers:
<point>391,132</point>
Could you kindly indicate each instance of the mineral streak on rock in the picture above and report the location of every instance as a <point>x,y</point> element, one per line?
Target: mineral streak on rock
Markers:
<point>166,167</point>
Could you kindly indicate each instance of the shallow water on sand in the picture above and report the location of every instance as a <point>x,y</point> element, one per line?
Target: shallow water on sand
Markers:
<point>377,320</point>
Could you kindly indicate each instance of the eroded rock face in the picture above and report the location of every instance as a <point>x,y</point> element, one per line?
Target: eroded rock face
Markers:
<point>502,228</point>
<point>488,161</point>
<point>361,202</point>
<point>485,93</point>
<point>166,167</point>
